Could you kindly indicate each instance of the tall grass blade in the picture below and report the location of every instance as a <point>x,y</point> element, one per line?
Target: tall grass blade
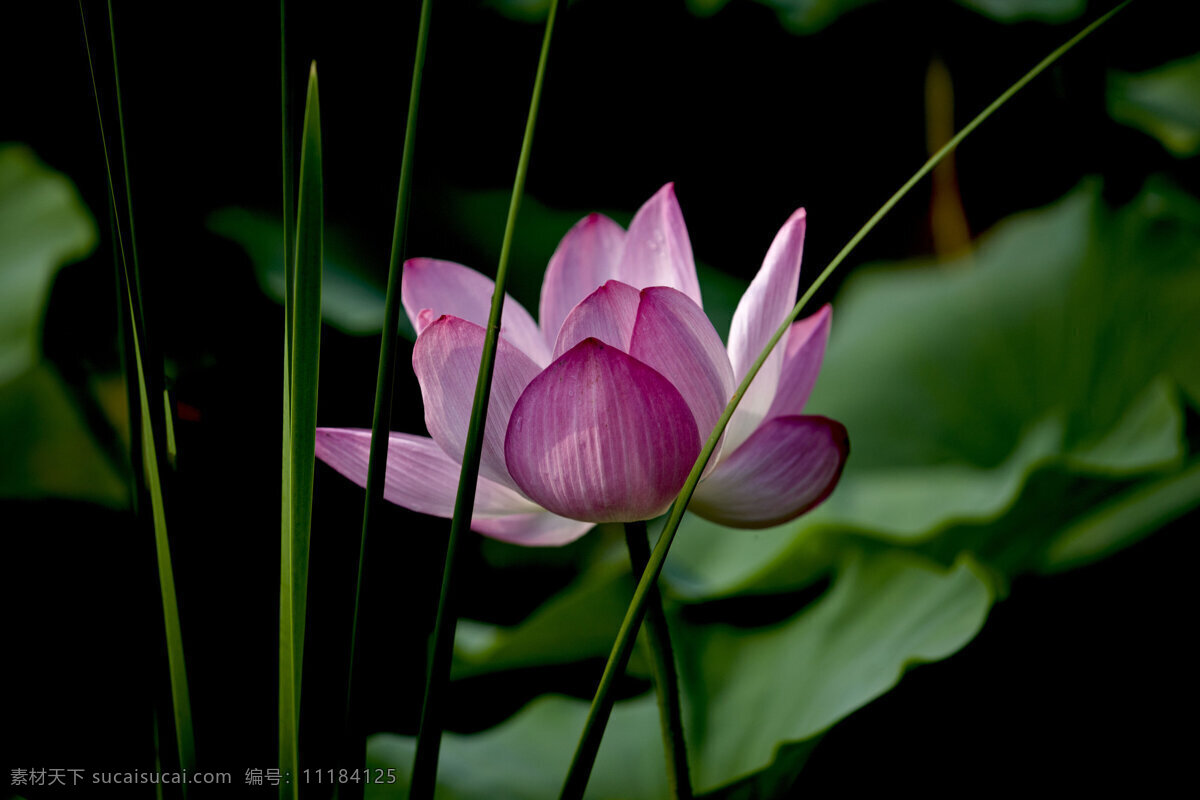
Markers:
<point>287,717</point>
<point>180,701</point>
<point>300,447</point>
<point>602,703</point>
<point>430,736</point>
<point>382,419</point>
<point>289,260</point>
<point>170,425</point>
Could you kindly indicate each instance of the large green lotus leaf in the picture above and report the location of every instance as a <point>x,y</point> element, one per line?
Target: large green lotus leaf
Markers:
<point>1122,519</point>
<point>1047,352</point>
<point>777,780</point>
<point>994,515</point>
<point>43,225</point>
<point>883,613</point>
<point>351,299</point>
<point>1164,102</point>
<point>526,757</point>
<point>748,691</point>
<point>579,623</point>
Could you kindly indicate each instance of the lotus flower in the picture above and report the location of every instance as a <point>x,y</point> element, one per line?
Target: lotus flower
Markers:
<point>598,413</point>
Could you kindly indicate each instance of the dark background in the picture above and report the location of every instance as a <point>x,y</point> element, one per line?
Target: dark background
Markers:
<point>1075,681</point>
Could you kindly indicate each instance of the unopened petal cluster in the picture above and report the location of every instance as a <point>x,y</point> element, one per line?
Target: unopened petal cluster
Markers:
<point>598,412</point>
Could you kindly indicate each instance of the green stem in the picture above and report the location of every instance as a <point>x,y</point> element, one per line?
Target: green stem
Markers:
<point>382,420</point>
<point>429,739</point>
<point>602,703</point>
<point>666,678</point>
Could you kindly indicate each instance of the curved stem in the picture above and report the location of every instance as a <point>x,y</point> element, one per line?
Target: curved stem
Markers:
<point>385,377</point>
<point>666,678</point>
<point>618,659</point>
<point>430,736</point>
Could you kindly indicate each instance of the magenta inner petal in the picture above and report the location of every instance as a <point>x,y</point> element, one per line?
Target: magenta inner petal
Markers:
<point>608,314</point>
<point>585,258</point>
<point>786,467</point>
<point>764,306</point>
<point>674,336</point>
<point>657,250</point>
<point>803,353</point>
<point>601,437</point>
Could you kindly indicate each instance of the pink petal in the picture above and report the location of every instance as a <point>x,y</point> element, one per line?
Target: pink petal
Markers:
<point>420,476</point>
<point>599,436</point>
<point>803,353</point>
<point>762,309</point>
<point>542,529</point>
<point>446,360</point>
<point>607,314</point>
<point>657,249</point>
<point>431,288</point>
<point>789,465</point>
<point>674,336</point>
<point>585,258</point>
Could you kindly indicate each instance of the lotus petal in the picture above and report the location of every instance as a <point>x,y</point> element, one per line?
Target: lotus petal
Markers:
<point>676,338</point>
<point>446,360</point>
<point>541,529</point>
<point>601,437</point>
<point>787,466</point>
<point>761,311</point>
<point>420,476</point>
<point>802,356</point>
<point>657,249</point>
<point>443,287</point>
<point>587,257</point>
<point>608,314</point>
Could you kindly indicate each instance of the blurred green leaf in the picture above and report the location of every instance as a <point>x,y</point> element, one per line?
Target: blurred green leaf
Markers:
<point>793,681</point>
<point>749,690</point>
<point>1123,520</point>
<point>578,623</point>
<point>48,451</point>
<point>352,298</point>
<point>810,16</point>
<point>777,780</point>
<point>1022,10</point>
<point>958,384</point>
<point>1163,102</point>
<point>526,757</point>
<point>43,225</point>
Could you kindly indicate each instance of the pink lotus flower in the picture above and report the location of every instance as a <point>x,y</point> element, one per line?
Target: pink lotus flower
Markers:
<point>598,413</point>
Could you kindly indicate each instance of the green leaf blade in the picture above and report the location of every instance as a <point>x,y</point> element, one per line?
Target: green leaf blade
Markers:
<point>304,342</point>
